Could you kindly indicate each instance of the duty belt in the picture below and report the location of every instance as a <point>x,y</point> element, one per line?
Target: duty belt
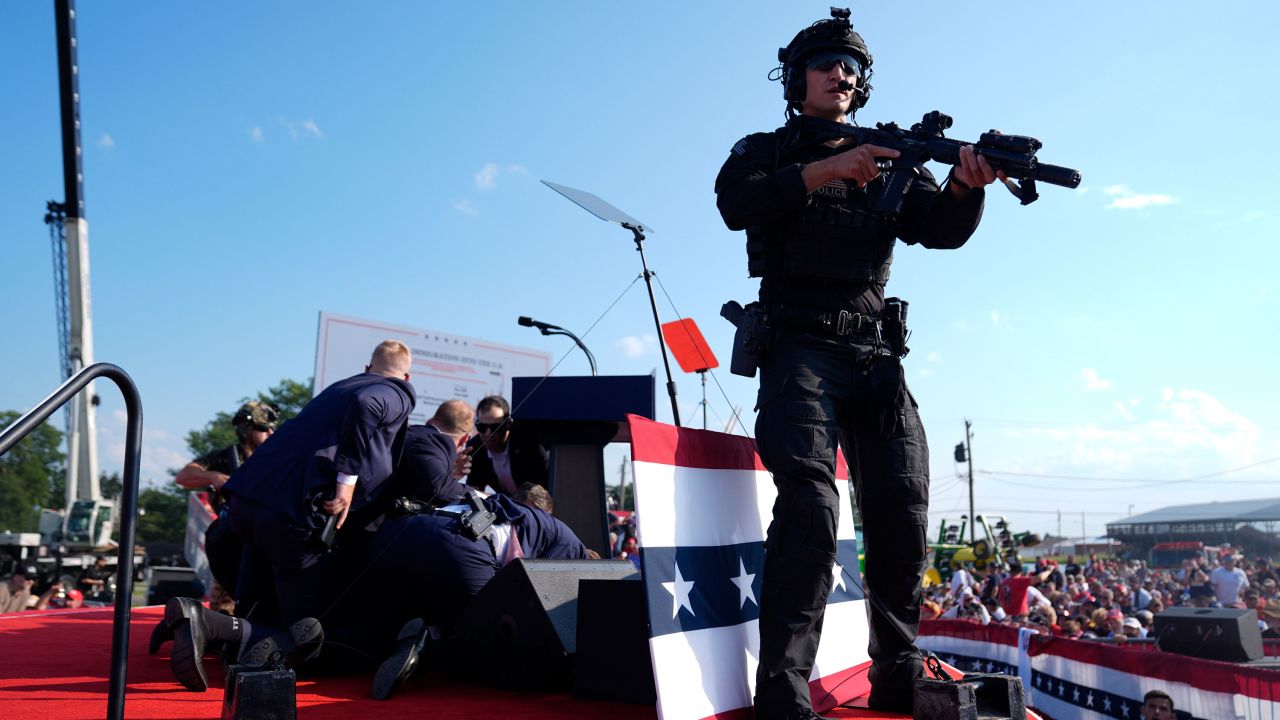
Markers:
<point>840,323</point>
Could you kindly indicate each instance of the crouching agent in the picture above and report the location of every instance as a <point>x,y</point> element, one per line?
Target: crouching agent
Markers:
<point>301,504</point>
<point>438,560</point>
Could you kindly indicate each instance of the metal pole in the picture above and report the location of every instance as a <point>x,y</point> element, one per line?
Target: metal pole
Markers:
<point>703,374</point>
<point>968,443</point>
<point>129,511</point>
<point>653,303</point>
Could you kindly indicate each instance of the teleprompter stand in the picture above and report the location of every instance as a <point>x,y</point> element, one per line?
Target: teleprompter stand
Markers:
<point>609,213</point>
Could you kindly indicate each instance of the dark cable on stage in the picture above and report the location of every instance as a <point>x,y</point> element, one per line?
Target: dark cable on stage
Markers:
<point>549,329</point>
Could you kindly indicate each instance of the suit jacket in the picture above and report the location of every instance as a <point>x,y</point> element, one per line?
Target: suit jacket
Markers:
<point>529,461</point>
<point>425,471</point>
<point>434,570</point>
<point>355,426</point>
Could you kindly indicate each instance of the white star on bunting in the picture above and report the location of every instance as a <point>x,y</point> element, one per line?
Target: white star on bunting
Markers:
<point>837,577</point>
<point>743,581</point>
<point>679,593</point>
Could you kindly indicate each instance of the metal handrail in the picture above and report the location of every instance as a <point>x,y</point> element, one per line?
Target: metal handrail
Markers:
<point>128,513</point>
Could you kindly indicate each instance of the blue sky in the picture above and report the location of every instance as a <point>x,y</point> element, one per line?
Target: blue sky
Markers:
<point>247,166</point>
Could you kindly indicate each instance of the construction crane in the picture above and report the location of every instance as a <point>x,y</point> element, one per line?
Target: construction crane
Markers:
<point>88,519</point>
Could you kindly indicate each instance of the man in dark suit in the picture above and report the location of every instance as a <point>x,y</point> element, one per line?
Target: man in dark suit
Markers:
<point>332,460</point>
<point>429,469</point>
<point>503,454</point>
<point>436,568</point>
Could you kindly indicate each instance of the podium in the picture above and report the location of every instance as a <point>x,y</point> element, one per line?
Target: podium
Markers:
<point>575,417</point>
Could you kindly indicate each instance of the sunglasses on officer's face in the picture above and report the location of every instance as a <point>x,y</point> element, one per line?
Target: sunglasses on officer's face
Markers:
<point>825,61</point>
<point>490,428</point>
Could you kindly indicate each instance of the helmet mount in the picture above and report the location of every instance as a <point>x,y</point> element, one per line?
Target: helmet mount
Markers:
<point>824,36</point>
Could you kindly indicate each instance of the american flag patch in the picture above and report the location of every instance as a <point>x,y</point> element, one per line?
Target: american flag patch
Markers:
<point>741,147</point>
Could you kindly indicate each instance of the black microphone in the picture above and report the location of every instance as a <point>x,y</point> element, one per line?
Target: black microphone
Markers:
<point>530,322</point>
<point>549,329</point>
<point>846,85</point>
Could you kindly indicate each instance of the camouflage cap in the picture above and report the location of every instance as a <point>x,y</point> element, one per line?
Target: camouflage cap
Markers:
<point>256,413</point>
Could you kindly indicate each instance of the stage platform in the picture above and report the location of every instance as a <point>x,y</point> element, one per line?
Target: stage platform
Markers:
<point>55,665</point>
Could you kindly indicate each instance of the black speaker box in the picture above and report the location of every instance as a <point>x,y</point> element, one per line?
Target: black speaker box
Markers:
<point>1230,634</point>
<point>520,631</point>
<point>613,661</point>
<point>171,582</point>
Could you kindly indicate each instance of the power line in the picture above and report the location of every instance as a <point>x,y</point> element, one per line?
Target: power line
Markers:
<point>1146,482</point>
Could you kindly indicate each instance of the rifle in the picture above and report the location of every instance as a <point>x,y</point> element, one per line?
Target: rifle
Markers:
<point>1014,154</point>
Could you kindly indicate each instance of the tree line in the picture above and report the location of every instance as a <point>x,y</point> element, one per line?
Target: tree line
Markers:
<point>33,474</point>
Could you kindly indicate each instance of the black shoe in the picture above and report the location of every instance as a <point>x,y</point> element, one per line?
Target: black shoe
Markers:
<point>175,611</point>
<point>301,643</point>
<point>892,701</point>
<point>403,662</point>
<point>189,639</point>
<point>893,685</point>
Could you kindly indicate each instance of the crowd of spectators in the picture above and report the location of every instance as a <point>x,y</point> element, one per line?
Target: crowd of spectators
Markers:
<point>1105,598</point>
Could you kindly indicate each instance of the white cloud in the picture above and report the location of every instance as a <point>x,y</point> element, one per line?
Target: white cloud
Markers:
<point>255,134</point>
<point>1092,382</point>
<point>1122,410</point>
<point>487,177</point>
<point>302,130</point>
<point>465,206</point>
<point>518,169</point>
<point>161,450</point>
<point>634,346</point>
<point>1122,198</point>
<point>934,357</point>
<point>106,141</point>
<point>995,317</point>
<point>1186,433</point>
<point>310,129</point>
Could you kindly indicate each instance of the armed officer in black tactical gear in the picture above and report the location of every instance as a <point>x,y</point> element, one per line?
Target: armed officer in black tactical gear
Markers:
<point>830,372</point>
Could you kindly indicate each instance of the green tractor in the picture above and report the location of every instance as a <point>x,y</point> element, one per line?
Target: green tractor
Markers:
<point>996,545</point>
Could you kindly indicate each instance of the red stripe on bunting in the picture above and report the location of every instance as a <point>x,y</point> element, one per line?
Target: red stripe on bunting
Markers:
<point>1210,675</point>
<point>965,630</point>
<point>664,444</point>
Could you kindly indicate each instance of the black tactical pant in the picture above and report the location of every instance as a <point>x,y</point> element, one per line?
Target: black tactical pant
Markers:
<point>815,392</point>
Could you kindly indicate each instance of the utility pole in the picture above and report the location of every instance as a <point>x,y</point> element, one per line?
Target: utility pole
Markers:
<point>622,484</point>
<point>82,440</point>
<point>964,452</point>
<point>1083,535</point>
<point>973,518</point>
<point>1059,523</point>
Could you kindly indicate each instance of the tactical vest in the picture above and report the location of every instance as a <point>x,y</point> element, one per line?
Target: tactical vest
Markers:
<point>831,238</point>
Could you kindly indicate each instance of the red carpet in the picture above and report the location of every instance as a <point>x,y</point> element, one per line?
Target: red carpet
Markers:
<point>55,665</point>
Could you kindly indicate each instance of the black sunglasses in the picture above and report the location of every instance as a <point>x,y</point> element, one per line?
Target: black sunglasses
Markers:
<point>490,427</point>
<point>825,61</point>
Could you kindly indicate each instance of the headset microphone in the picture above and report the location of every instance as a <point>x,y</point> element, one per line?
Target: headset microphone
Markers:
<point>846,86</point>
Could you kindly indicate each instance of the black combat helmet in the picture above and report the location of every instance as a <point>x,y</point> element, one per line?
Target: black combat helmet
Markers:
<point>824,36</point>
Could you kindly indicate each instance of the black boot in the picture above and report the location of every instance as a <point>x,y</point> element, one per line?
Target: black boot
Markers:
<point>403,662</point>
<point>893,685</point>
<point>174,613</point>
<point>299,644</point>
<point>189,640</point>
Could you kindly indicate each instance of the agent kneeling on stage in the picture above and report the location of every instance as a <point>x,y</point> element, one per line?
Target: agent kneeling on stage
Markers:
<point>438,559</point>
<point>831,369</point>
<point>324,471</point>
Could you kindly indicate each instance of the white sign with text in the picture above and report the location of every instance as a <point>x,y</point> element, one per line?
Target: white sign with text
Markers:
<point>445,366</point>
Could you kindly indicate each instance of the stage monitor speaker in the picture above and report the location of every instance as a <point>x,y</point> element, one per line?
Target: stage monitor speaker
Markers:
<point>170,582</point>
<point>521,630</point>
<point>1230,634</point>
<point>613,661</point>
